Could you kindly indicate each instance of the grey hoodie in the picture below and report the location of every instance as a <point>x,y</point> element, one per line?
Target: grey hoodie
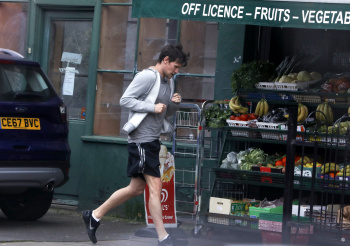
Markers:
<point>151,126</point>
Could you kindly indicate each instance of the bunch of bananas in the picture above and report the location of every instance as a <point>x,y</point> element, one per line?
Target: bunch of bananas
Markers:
<point>330,167</point>
<point>236,106</point>
<point>327,115</point>
<point>349,110</point>
<point>303,112</point>
<point>262,108</point>
<point>345,171</point>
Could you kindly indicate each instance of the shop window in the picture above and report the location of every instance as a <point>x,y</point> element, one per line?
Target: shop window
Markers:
<point>154,34</point>
<point>195,87</point>
<point>202,44</point>
<point>13,23</point>
<point>109,116</point>
<point>118,38</point>
<point>121,35</point>
<point>73,37</point>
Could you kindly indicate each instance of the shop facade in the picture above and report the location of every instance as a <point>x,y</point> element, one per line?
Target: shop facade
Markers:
<point>115,39</point>
<point>106,46</point>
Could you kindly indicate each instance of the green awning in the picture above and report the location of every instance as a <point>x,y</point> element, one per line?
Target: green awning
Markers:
<point>251,12</point>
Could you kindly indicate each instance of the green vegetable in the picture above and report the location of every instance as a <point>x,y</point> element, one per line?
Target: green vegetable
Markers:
<point>252,158</point>
<point>216,116</point>
<point>272,159</point>
<point>251,73</point>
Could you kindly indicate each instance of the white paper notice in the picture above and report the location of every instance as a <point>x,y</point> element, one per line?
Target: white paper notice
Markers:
<point>68,83</point>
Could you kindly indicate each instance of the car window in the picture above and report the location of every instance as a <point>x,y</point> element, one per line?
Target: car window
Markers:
<point>23,83</point>
<point>15,79</point>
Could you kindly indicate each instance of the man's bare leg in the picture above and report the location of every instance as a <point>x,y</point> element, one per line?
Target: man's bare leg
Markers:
<point>135,188</point>
<point>154,204</point>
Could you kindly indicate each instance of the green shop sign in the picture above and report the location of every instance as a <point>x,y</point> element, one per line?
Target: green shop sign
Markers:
<point>251,12</point>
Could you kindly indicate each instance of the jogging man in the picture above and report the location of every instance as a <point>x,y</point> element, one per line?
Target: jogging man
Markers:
<point>150,98</point>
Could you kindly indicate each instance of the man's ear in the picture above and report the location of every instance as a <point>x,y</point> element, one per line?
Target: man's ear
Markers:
<point>166,59</point>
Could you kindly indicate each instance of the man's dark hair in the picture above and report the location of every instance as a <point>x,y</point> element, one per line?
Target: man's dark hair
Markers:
<point>175,53</point>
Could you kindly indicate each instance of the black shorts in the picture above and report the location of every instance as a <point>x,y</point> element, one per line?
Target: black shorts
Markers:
<point>143,159</point>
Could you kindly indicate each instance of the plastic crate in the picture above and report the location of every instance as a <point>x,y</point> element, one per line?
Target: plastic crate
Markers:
<point>333,139</point>
<point>286,86</point>
<point>242,124</point>
<point>270,126</point>
<point>307,98</point>
<point>239,123</point>
<point>335,99</point>
<point>266,86</point>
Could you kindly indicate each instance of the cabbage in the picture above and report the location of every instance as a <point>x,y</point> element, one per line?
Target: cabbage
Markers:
<point>251,158</point>
<point>286,79</point>
<point>304,76</point>
<point>315,75</point>
<point>232,157</point>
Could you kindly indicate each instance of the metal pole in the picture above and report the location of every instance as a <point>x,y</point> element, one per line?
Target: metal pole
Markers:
<point>289,175</point>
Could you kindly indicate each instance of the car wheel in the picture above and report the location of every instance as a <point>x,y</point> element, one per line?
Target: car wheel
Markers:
<point>29,205</point>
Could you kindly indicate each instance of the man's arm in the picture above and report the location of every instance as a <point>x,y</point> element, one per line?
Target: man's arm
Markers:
<point>174,104</point>
<point>136,92</point>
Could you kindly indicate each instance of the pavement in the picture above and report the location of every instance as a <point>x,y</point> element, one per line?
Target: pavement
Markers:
<point>63,225</point>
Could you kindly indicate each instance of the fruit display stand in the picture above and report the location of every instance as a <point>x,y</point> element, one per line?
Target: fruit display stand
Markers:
<point>311,181</point>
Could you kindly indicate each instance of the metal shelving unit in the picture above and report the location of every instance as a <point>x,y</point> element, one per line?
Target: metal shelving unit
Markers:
<point>328,191</point>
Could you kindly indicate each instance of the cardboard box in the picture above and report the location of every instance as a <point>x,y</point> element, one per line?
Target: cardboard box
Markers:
<point>273,222</point>
<point>333,208</point>
<point>229,206</point>
<point>232,220</point>
<point>242,207</point>
<point>220,205</point>
<point>307,172</point>
<point>254,212</point>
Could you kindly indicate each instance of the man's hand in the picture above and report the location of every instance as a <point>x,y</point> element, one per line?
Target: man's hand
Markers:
<point>159,108</point>
<point>176,98</point>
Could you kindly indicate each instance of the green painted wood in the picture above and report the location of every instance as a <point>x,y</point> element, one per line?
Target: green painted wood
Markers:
<point>35,31</point>
<point>70,189</point>
<point>91,90</point>
<point>103,171</point>
<point>229,58</point>
<point>70,3</point>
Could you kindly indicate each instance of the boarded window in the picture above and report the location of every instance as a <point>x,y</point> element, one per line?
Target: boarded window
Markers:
<point>126,48</point>
<point>13,24</point>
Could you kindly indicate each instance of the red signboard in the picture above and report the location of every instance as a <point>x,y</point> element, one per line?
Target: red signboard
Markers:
<point>168,203</point>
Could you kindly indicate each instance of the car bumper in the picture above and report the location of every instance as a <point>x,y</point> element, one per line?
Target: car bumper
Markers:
<point>22,178</point>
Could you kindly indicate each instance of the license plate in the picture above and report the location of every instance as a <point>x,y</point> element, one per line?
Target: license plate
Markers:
<point>20,123</point>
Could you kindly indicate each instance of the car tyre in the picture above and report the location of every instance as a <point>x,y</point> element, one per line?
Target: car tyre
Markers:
<point>27,206</point>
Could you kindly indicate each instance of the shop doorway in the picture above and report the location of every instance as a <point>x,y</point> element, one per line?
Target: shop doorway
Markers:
<point>66,57</point>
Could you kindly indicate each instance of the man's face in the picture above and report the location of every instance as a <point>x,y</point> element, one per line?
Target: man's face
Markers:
<point>171,68</point>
